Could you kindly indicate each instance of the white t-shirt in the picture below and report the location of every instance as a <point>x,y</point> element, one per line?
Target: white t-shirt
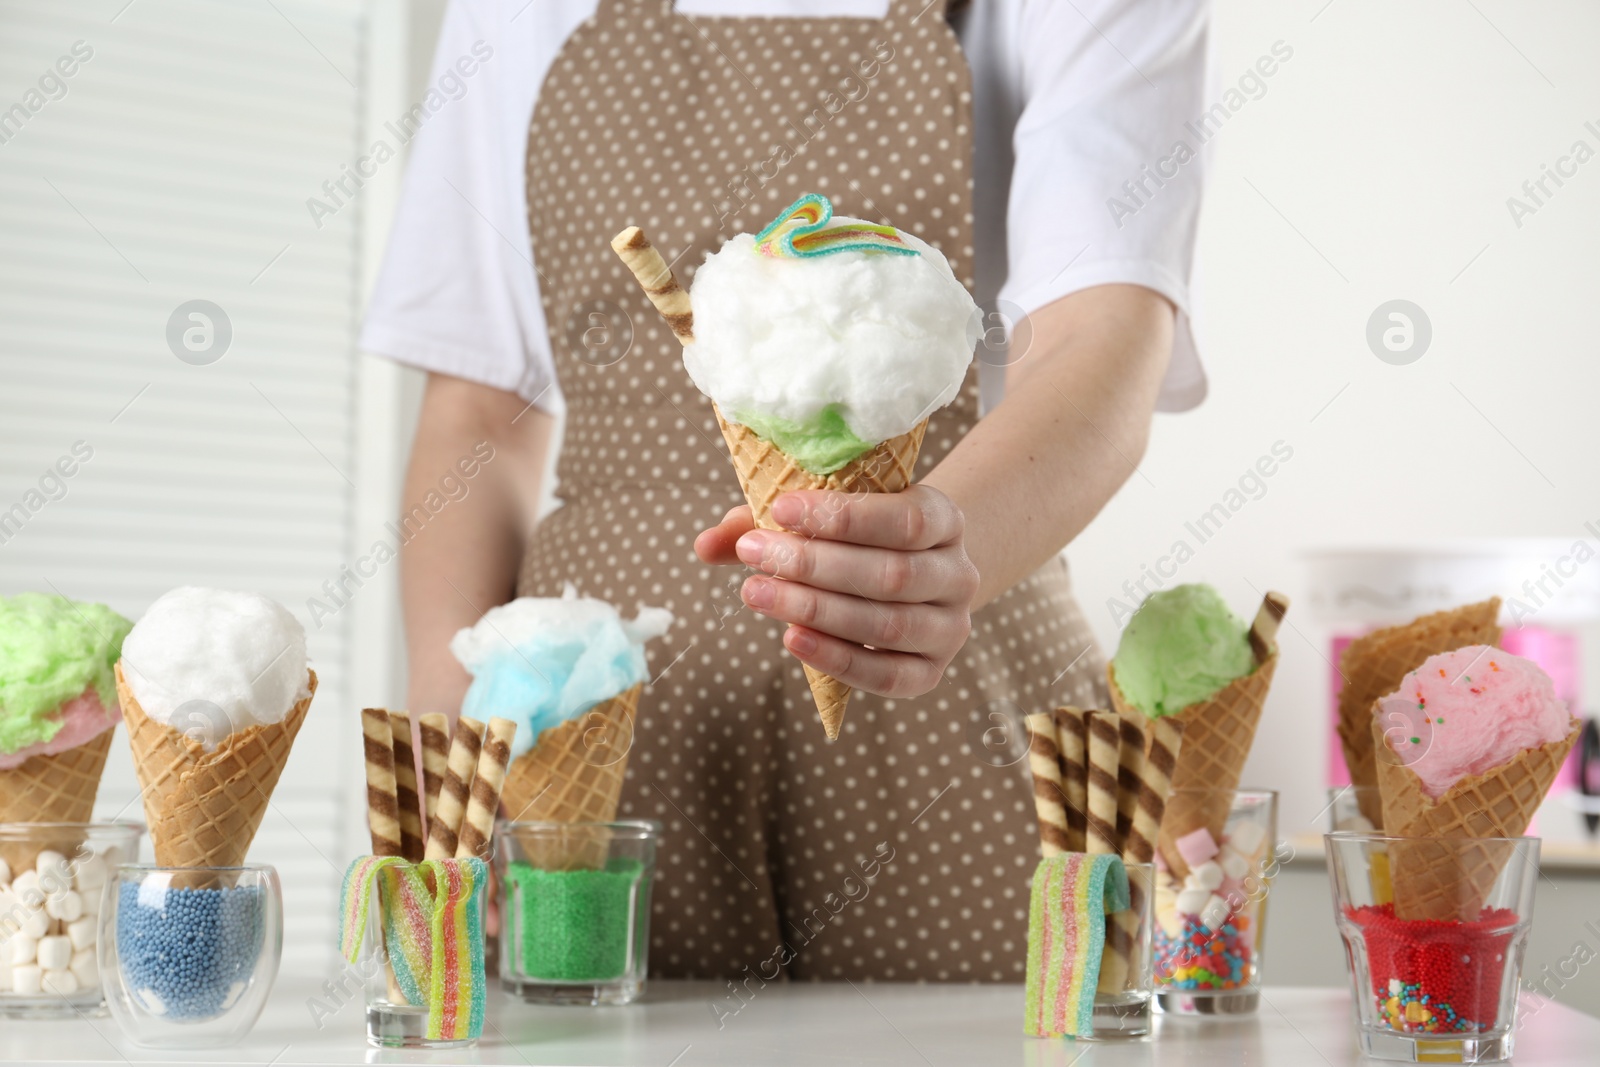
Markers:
<point>1077,109</point>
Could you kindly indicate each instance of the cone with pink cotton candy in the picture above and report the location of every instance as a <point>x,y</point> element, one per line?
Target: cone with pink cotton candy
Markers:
<point>1467,746</point>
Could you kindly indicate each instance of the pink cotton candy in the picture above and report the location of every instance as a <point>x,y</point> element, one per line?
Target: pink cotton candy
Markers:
<point>83,718</point>
<point>1466,712</point>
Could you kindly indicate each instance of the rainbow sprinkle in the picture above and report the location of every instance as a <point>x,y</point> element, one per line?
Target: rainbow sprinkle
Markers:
<point>433,934</point>
<point>1072,892</point>
<point>802,232</point>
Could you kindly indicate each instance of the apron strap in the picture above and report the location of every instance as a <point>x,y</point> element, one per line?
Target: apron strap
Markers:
<point>898,10</point>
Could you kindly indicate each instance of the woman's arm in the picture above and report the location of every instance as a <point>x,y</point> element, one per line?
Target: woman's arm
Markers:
<point>464,560</point>
<point>902,572</point>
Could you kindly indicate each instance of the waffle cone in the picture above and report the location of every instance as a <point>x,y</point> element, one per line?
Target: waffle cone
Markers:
<point>573,773</point>
<point>58,788</point>
<point>1217,735</point>
<point>1433,881</point>
<point>203,808</point>
<point>1374,666</point>
<point>765,472</point>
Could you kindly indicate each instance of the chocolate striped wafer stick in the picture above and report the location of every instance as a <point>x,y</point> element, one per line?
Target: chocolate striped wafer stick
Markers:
<point>1048,803</point>
<point>1104,741</point>
<point>655,278</point>
<point>405,787</point>
<point>477,829</point>
<point>1130,760</point>
<point>1164,739</point>
<point>435,738</point>
<point>1072,743</point>
<point>383,809</point>
<point>1264,630</point>
<point>445,825</point>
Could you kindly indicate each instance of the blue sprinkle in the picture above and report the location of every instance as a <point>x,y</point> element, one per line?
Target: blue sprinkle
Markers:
<point>188,954</point>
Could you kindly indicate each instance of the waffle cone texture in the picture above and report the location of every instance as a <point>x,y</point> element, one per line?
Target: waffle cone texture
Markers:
<point>1374,666</point>
<point>58,788</point>
<point>1435,881</point>
<point>765,473</point>
<point>574,773</point>
<point>1217,735</point>
<point>203,808</point>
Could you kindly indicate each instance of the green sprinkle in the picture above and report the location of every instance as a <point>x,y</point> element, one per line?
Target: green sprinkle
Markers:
<point>1416,740</point>
<point>574,925</point>
<point>1440,720</point>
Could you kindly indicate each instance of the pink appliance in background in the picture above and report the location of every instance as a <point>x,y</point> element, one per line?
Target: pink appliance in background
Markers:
<point>1557,653</point>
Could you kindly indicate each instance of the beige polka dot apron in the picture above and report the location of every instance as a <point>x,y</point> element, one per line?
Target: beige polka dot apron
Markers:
<point>778,845</point>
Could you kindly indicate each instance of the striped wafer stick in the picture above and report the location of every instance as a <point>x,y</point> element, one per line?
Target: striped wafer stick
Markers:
<point>445,825</point>
<point>484,799</point>
<point>383,810</point>
<point>1072,743</point>
<point>1048,803</point>
<point>435,738</point>
<point>1164,738</point>
<point>1264,630</point>
<point>655,278</point>
<point>1104,739</point>
<point>1130,761</point>
<point>405,787</point>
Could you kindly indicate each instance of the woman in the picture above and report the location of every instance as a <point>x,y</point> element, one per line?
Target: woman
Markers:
<point>999,133</point>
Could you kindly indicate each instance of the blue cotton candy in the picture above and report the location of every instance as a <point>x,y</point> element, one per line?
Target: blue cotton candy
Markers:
<point>542,662</point>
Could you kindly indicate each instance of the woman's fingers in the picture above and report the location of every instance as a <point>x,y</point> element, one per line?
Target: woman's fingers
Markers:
<point>716,545</point>
<point>941,575</point>
<point>888,674</point>
<point>920,517</point>
<point>922,628</point>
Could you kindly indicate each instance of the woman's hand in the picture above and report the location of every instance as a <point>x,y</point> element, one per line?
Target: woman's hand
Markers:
<point>876,588</point>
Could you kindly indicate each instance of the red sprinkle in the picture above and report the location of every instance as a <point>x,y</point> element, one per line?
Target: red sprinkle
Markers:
<point>1458,966</point>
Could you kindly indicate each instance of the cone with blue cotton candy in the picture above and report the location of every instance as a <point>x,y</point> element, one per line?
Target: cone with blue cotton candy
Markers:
<point>569,671</point>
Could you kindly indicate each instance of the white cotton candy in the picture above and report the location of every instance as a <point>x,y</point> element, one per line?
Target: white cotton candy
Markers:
<point>209,662</point>
<point>887,338</point>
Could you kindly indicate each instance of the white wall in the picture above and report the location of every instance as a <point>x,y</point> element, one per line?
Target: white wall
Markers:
<point>1376,166</point>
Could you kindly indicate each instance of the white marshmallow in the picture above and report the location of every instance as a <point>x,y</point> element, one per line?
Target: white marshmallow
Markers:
<point>26,886</point>
<point>5,873</point>
<point>61,982</point>
<point>81,933</point>
<point>34,923</point>
<point>1208,875</point>
<point>49,860</point>
<point>27,980</point>
<point>86,969</point>
<point>1234,865</point>
<point>1246,837</point>
<point>1190,901</point>
<point>5,978</point>
<point>91,902</point>
<point>1214,913</point>
<point>91,874</point>
<point>55,953</point>
<point>21,949</point>
<point>66,906</point>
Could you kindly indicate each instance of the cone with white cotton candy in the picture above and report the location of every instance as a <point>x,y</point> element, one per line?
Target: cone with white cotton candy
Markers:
<point>825,344</point>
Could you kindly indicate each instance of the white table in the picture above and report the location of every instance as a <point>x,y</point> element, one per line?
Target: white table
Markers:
<point>814,1025</point>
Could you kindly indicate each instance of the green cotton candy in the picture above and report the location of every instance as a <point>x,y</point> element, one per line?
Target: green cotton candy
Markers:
<point>821,446</point>
<point>51,650</point>
<point>573,926</point>
<point>1181,647</point>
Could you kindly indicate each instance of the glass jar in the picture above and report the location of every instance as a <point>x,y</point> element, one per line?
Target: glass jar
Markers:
<point>575,909</point>
<point>1122,997</point>
<point>415,933</point>
<point>189,954</point>
<point>1209,925</point>
<point>1434,931</point>
<point>51,877</point>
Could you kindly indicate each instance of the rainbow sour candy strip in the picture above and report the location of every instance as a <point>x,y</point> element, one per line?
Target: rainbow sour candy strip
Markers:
<point>801,232</point>
<point>1072,892</point>
<point>434,937</point>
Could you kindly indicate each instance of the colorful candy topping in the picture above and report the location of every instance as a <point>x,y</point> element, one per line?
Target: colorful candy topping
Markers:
<point>1202,958</point>
<point>802,232</point>
<point>1436,977</point>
